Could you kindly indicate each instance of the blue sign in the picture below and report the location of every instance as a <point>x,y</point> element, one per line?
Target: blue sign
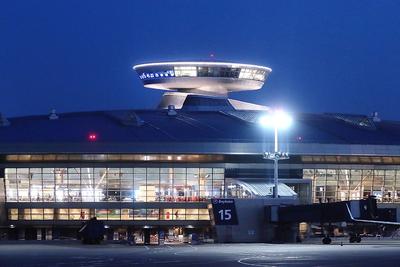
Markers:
<point>162,235</point>
<point>224,211</point>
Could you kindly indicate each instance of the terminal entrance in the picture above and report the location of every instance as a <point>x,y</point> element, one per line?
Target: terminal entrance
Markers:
<point>145,236</point>
<point>153,235</point>
<point>140,235</point>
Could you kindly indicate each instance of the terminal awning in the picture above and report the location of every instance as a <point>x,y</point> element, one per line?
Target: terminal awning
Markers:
<point>263,189</point>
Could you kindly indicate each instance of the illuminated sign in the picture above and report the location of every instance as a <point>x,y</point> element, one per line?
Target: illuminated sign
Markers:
<point>224,211</point>
<point>156,75</point>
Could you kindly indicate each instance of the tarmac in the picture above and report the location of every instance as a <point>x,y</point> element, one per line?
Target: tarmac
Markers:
<point>370,252</point>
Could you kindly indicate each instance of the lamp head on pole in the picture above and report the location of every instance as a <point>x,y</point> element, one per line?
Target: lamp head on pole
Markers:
<point>276,119</point>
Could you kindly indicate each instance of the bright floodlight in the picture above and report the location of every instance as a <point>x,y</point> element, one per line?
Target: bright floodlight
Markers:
<point>276,119</point>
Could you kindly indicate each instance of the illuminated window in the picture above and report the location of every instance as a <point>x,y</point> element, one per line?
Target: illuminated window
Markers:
<point>74,214</point>
<point>140,188</point>
<point>108,214</point>
<point>178,214</point>
<point>192,184</point>
<point>37,214</point>
<point>61,214</point>
<point>25,214</point>
<point>48,185</point>
<point>101,214</point>
<point>152,214</point>
<point>74,185</point>
<point>127,184</point>
<point>87,184</point>
<point>113,184</point>
<point>204,214</point>
<point>166,214</point>
<point>11,185</point>
<point>48,214</point>
<point>252,74</point>
<point>185,71</point>
<point>61,184</point>
<point>114,214</point>
<point>126,214</point>
<point>139,214</point>
<point>353,184</point>
<point>13,214</point>
<point>153,184</point>
<point>192,214</point>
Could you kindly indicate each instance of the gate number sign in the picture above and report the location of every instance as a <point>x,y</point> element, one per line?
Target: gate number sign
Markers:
<point>224,211</point>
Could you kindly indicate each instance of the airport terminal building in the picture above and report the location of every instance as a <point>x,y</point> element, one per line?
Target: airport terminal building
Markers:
<point>149,171</point>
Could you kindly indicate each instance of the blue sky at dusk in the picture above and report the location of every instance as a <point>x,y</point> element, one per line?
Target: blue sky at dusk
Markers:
<point>326,56</point>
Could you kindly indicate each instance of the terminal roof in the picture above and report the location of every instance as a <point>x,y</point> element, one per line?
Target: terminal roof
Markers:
<point>71,130</point>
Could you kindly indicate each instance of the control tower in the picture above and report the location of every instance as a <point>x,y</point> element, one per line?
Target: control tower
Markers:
<point>202,80</point>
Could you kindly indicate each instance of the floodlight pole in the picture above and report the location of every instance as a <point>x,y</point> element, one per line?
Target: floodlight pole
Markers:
<point>276,156</point>
<point>277,122</point>
<point>276,163</point>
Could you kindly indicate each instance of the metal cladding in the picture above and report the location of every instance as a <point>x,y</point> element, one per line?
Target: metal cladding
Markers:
<point>215,132</point>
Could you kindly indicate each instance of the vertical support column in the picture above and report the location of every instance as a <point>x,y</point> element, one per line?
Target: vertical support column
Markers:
<point>275,178</point>
<point>39,234</point>
<point>21,234</point>
<point>49,234</point>
<point>3,210</point>
<point>276,163</point>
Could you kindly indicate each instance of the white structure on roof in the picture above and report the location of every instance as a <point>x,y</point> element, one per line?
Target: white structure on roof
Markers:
<point>209,78</point>
<point>202,78</point>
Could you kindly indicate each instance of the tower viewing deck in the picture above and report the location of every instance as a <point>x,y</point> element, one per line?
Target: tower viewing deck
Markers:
<point>205,78</point>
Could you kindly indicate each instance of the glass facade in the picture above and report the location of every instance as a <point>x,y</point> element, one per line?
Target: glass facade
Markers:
<point>329,185</point>
<point>113,184</point>
<point>114,158</point>
<point>108,214</point>
<point>223,72</point>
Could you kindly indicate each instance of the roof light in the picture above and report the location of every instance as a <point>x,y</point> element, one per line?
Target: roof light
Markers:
<point>92,137</point>
<point>53,115</point>
<point>3,121</point>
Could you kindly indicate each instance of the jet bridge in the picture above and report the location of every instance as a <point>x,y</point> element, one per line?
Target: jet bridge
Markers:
<point>354,211</point>
<point>344,211</point>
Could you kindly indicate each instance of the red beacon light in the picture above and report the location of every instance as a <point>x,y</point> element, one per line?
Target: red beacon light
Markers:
<point>92,137</point>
